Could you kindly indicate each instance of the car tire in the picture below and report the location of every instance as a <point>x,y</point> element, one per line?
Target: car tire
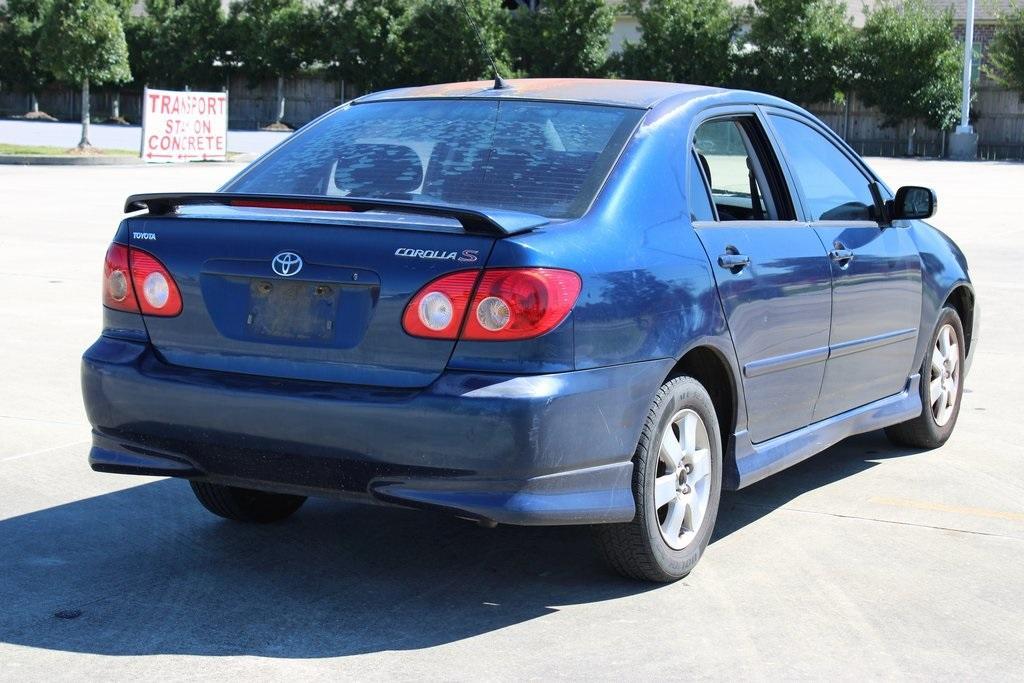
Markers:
<point>245,505</point>
<point>941,387</point>
<point>647,548</point>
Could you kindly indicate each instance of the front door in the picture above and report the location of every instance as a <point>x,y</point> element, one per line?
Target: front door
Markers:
<point>772,274</point>
<point>876,272</point>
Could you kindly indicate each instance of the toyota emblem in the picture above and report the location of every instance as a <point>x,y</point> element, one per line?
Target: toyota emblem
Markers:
<point>287,263</point>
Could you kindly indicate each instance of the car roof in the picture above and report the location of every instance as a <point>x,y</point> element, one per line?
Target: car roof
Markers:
<point>639,94</point>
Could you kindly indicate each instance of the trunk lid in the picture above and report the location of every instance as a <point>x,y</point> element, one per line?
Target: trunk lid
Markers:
<point>334,317</point>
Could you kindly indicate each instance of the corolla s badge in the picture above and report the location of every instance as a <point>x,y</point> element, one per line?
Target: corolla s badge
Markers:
<point>465,256</point>
<point>287,263</point>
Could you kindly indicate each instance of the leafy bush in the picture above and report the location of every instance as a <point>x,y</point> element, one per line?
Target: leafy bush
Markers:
<point>1006,51</point>
<point>363,41</point>
<point>177,43</point>
<point>21,24</point>
<point>800,50</point>
<point>272,39</point>
<point>442,41</point>
<point>687,41</point>
<point>561,38</point>
<point>910,64</point>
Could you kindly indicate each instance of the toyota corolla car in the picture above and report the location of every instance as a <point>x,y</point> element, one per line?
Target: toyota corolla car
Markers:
<point>576,302</point>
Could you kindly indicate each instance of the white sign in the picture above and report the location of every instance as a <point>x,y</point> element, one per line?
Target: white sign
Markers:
<point>184,126</point>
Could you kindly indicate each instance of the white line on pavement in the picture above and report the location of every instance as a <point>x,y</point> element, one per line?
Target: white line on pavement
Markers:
<point>43,450</point>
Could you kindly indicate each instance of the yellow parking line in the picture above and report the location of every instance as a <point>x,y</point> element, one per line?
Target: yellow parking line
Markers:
<point>958,509</point>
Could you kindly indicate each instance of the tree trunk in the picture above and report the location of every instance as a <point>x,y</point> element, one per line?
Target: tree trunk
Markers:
<point>280,99</point>
<point>115,106</point>
<point>846,116</point>
<point>910,139</point>
<point>33,103</point>
<point>84,142</point>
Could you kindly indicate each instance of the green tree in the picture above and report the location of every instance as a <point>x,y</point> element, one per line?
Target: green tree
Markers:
<point>442,43</point>
<point>364,41</point>
<point>20,25</point>
<point>177,43</point>
<point>560,38</point>
<point>910,65</point>
<point>82,42</point>
<point>151,56</point>
<point>686,41</point>
<point>800,50</point>
<point>272,39</point>
<point>1006,51</point>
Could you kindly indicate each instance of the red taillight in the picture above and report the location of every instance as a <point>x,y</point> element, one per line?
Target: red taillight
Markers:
<point>508,303</point>
<point>118,292</point>
<point>437,310</point>
<point>135,281</point>
<point>520,303</point>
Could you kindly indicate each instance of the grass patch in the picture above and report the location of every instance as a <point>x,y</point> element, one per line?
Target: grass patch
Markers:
<point>40,150</point>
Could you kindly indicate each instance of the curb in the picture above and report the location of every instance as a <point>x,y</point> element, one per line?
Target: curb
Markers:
<point>54,160</point>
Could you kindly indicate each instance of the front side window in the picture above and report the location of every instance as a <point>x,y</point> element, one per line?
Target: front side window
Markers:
<point>833,188</point>
<point>737,189</point>
<point>547,158</point>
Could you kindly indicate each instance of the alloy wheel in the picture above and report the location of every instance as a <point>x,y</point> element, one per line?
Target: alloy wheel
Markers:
<point>682,487</point>
<point>944,383</point>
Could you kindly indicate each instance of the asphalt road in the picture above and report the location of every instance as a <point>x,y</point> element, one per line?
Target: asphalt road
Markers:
<point>865,561</point>
<point>63,134</point>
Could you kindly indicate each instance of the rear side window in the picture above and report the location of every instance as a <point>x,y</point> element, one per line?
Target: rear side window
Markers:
<point>539,157</point>
<point>733,172</point>
<point>832,186</point>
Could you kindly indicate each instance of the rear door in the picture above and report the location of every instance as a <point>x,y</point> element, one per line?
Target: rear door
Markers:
<point>876,270</point>
<point>772,274</point>
<point>334,316</point>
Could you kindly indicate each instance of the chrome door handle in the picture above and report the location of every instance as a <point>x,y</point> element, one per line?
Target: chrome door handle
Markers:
<point>841,255</point>
<point>733,262</point>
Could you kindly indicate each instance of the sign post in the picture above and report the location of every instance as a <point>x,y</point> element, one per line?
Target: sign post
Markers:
<point>184,126</point>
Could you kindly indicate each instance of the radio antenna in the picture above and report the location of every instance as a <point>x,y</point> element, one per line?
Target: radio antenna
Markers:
<point>499,82</point>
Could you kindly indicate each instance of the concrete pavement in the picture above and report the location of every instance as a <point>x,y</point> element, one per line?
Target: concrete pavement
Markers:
<point>864,561</point>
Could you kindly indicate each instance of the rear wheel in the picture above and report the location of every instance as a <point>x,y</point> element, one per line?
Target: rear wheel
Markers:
<point>941,388</point>
<point>245,505</point>
<point>677,484</point>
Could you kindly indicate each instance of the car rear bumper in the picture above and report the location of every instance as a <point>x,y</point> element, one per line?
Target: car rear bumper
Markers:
<point>540,449</point>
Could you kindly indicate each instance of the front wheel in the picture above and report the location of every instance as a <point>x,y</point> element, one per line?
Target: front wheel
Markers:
<point>942,388</point>
<point>677,484</point>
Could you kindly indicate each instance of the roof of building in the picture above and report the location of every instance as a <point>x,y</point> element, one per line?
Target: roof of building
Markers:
<point>593,90</point>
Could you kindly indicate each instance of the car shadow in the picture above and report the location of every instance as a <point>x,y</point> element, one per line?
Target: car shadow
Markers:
<point>145,570</point>
<point>846,459</point>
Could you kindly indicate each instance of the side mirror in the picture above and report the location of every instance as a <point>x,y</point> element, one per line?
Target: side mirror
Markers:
<point>914,202</point>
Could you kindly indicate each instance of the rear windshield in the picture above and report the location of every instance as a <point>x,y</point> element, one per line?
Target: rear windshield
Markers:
<point>540,157</point>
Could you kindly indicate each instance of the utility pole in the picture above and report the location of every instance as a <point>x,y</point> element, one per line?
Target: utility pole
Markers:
<point>963,144</point>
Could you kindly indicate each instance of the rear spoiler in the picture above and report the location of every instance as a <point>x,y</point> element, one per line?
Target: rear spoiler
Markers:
<point>473,220</point>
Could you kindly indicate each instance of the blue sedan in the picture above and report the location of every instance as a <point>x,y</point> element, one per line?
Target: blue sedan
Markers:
<point>576,302</point>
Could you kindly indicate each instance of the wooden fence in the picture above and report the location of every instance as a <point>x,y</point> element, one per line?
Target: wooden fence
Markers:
<point>997,114</point>
<point>249,106</point>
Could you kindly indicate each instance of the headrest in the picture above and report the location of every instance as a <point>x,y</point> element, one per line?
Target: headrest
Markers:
<point>375,168</point>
